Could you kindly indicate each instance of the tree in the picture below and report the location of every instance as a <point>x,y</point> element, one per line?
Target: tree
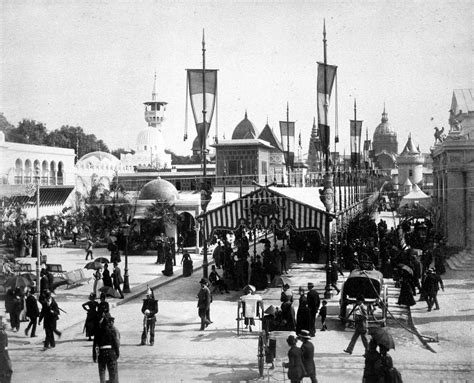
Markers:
<point>28,132</point>
<point>157,217</point>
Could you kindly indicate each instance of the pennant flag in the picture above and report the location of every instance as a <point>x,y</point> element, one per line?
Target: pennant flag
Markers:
<point>287,130</point>
<point>202,82</point>
<point>326,76</point>
<point>299,142</point>
<point>356,132</point>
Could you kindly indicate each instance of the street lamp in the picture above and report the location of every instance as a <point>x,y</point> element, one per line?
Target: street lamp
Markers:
<point>126,234</point>
<point>38,231</point>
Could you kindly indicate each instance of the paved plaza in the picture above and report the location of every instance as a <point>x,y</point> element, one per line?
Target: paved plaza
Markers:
<point>182,353</point>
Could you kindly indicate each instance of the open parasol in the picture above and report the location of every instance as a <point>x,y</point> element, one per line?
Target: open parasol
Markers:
<point>382,337</point>
<point>101,260</point>
<point>408,269</point>
<point>18,281</point>
<point>109,291</point>
<point>94,265</point>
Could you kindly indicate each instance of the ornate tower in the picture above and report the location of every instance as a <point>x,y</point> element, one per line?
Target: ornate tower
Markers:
<point>150,144</point>
<point>385,144</point>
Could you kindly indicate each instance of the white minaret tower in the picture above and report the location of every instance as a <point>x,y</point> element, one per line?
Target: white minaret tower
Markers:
<point>150,145</point>
<point>155,110</point>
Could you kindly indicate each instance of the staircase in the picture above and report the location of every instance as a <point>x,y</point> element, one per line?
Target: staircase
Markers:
<point>462,261</point>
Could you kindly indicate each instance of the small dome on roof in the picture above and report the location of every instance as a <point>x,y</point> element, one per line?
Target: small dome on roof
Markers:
<point>244,130</point>
<point>384,128</point>
<point>159,189</point>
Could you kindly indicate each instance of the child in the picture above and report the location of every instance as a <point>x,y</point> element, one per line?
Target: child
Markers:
<point>322,314</point>
<point>89,248</point>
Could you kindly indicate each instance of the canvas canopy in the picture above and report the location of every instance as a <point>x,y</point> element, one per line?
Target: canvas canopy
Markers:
<point>266,208</point>
<point>416,197</point>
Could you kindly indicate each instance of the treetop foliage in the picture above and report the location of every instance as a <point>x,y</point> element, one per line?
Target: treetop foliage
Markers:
<point>35,133</point>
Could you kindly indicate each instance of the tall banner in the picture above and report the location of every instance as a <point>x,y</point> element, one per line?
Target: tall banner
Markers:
<point>356,133</point>
<point>202,82</point>
<point>367,145</point>
<point>326,76</point>
<point>287,130</point>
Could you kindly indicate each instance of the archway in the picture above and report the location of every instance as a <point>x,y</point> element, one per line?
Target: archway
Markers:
<point>18,171</point>
<point>186,226</point>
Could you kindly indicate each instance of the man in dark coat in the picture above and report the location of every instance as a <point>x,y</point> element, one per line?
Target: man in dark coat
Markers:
<point>307,349</point>
<point>431,287</point>
<point>296,370</point>
<point>313,304</point>
<point>204,304</point>
<point>106,349</point>
<point>32,312</point>
<point>50,314</point>
<point>149,310</point>
<point>117,279</point>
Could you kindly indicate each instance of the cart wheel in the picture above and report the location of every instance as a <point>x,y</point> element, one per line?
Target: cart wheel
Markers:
<point>260,355</point>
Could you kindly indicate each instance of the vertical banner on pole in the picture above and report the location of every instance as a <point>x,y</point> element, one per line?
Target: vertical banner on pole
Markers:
<point>287,130</point>
<point>326,76</point>
<point>356,132</point>
<point>200,81</point>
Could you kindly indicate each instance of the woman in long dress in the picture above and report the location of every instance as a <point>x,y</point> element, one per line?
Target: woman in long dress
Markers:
<point>98,283</point>
<point>92,322</point>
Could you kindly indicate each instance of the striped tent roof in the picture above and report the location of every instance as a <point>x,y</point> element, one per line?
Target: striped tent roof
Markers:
<point>265,208</point>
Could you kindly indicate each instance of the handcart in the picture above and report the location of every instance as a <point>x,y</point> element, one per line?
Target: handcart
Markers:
<point>369,284</point>
<point>249,311</point>
<point>272,346</point>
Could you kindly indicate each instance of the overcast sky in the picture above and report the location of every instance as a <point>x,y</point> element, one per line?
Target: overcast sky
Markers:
<point>91,63</point>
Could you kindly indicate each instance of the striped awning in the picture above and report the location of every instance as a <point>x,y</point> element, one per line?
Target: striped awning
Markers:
<point>265,208</point>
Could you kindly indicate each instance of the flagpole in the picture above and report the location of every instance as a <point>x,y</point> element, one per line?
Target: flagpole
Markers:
<point>288,141</point>
<point>326,104</point>
<point>203,152</point>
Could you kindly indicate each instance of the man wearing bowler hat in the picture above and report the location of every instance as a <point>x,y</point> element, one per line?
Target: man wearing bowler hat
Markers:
<point>204,304</point>
<point>307,349</point>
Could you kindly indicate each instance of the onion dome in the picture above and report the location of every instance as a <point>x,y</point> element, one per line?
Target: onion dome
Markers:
<point>384,128</point>
<point>244,130</point>
<point>159,189</point>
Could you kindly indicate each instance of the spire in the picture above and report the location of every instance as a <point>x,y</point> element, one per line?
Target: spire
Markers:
<point>153,93</point>
<point>245,118</point>
<point>203,40</point>
<point>384,114</point>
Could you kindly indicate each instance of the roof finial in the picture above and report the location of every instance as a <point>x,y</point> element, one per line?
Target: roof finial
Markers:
<point>153,93</point>
<point>246,114</point>
<point>384,114</point>
<point>267,119</point>
<point>203,40</point>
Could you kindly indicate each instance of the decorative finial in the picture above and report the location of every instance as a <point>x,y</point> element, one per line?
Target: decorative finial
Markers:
<point>324,28</point>
<point>153,93</point>
<point>245,114</point>
<point>203,40</point>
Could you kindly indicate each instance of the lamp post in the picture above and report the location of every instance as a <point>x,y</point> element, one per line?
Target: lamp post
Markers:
<point>126,282</point>
<point>38,231</point>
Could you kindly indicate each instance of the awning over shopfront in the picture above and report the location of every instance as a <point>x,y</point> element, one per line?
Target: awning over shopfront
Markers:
<point>49,195</point>
<point>266,208</point>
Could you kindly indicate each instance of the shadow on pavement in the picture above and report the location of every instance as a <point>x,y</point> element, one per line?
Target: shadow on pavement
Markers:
<point>242,375</point>
<point>204,336</point>
<point>452,318</point>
